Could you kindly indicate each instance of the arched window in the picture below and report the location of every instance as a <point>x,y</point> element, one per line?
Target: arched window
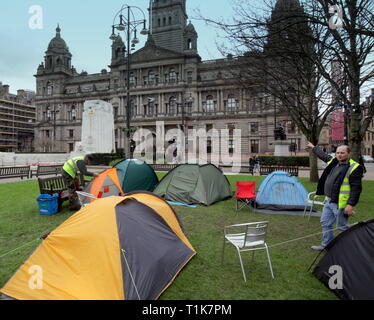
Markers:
<point>151,107</point>
<point>49,112</point>
<point>231,103</point>
<point>172,106</point>
<point>210,104</point>
<point>133,111</point>
<point>189,44</point>
<point>115,111</point>
<point>49,89</point>
<point>170,20</point>
<point>132,80</point>
<point>73,113</point>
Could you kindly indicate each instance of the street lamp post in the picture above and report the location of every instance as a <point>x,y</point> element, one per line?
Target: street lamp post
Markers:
<point>54,142</point>
<point>129,25</point>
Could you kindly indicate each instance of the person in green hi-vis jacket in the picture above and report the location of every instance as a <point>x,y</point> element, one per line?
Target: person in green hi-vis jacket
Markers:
<point>70,175</point>
<point>341,183</point>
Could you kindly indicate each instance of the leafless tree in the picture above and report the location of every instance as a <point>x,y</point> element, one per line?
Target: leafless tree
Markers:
<point>278,53</point>
<point>293,49</point>
<point>348,27</point>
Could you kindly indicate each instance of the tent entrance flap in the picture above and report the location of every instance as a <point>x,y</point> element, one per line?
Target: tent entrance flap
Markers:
<point>157,255</point>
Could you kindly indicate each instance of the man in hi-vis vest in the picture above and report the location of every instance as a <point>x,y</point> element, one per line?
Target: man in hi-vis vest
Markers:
<point>70,174</point>
<point>341,183</point>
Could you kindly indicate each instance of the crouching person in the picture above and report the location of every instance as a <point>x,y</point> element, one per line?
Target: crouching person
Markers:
<point>70,172</point>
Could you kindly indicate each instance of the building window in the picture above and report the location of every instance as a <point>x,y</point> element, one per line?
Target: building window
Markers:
<point>210,107</point>
<point>188,109</point>
<point>132,80</point>
<point>71,147</point>
<point>151,78</point>
<point>231,103</point>
<point>231,146</point>
<point>47,133</point>
<point>152,108</point>
<point>71,134</point>
<point>172,106</point>
<point>49,113</point>
<point>254,146</point>
<point>72,114</point>
<point>172,76</point>
<point>209,146</point>
<point>189,44</point>
<point>49,90</point>
<point>133,112</point>
<point>115,112</point>
<point>254,128</point>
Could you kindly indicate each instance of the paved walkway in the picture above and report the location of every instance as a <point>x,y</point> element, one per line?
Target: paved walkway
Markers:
<point>369,175</point>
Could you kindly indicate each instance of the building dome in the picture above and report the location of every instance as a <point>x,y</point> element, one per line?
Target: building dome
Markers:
<point>57,44</point>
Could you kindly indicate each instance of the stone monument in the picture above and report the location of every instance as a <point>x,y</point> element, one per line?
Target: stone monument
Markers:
<point>97,128</point>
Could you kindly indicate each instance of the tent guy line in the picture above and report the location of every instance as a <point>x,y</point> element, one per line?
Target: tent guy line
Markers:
<point>305,237</point>
<point>20,247</point>
<point>270,246</point>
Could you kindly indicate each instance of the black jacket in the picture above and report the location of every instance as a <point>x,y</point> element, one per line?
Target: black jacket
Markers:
<point>355,179</point>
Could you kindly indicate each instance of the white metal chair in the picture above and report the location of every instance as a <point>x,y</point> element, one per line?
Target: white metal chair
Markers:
<point>252,239</point>
<point>313,199</point>
<point>84,196</point>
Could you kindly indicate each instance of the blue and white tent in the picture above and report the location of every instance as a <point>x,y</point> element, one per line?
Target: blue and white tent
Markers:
<point>281,191</point>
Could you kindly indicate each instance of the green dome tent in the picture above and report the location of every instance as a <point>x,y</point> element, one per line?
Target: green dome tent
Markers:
<point>194,184</point>
<point>136,175</point>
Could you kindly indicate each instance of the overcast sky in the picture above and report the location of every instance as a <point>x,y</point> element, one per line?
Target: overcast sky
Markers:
<point>86,27</point>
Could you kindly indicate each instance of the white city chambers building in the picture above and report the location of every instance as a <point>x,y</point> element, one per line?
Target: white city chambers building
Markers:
<point>169,82</point>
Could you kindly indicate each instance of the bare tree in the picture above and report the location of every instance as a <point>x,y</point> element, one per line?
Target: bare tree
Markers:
<point>347,27</point>
<point>278,52</point>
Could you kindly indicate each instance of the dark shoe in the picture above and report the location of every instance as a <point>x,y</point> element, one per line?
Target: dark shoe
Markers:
<point>318,248</point>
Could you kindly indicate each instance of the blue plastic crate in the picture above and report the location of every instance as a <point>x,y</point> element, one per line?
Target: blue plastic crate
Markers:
<point>48,204</point>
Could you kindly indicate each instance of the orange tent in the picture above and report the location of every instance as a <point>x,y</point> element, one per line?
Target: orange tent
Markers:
<point>105,185</point>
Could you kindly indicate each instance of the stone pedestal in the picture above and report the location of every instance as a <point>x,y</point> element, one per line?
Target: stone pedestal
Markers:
<point>97,128</point>
<point>282,148</point>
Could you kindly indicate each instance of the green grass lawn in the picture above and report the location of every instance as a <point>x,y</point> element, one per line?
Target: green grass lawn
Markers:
<point>204,278</point>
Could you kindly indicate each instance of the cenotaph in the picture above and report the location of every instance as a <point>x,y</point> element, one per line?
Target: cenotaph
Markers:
<point>97,128</point>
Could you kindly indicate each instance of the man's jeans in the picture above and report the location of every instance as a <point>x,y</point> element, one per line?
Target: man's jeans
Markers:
<point>330,214</point>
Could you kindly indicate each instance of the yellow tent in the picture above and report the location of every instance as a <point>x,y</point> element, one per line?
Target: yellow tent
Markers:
<point>114,248</point>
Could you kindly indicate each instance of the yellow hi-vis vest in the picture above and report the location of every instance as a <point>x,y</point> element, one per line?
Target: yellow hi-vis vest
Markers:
<point>71,167</point>
<point>345,188</point>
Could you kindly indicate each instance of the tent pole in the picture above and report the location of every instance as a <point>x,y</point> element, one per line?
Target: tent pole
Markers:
<point>132,278</point>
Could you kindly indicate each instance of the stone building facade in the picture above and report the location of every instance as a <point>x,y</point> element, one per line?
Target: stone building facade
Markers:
<point>17,118</point>
<point>169,82</point>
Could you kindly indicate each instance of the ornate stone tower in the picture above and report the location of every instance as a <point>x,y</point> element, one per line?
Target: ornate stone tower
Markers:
<point>288,24</point>
<point>169,26</point>
<point>56,67</point>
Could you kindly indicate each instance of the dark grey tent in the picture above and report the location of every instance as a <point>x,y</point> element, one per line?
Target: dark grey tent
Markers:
<point>353,252</point>
<point>194,184</point>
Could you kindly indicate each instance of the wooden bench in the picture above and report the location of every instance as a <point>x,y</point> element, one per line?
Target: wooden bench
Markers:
<point>265,170</point>
<point>163,167</point>
<point>47,170</point>
<point>14,172</point>
<point>52,185</point>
